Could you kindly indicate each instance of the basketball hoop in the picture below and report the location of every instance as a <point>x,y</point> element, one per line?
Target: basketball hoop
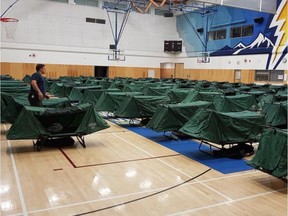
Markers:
<point>116,55</point>
<point>10,25</point>
<point>203,57</point>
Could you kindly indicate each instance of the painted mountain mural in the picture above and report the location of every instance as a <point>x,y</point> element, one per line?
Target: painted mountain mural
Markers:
<point>260,45</point>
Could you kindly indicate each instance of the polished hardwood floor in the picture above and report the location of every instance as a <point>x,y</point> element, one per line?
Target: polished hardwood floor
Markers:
<point>122,173</point>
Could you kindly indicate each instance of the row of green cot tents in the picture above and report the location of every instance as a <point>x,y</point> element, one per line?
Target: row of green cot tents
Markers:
<point>186,85</point>
<point>110,101</point>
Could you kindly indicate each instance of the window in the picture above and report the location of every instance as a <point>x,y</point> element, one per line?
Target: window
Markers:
<point>235,32</point>
<point>247,30</point>
<point>241,31</point>
<point>161,12</point>
<point>217,35</point>
<point>269,75</point>
<point>63,1</point>
<point>94,3</point>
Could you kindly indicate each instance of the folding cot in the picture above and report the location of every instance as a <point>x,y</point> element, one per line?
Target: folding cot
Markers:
<point>140,106</point>
<point>212,127</point>
<point>43,124</point>
<point>171,117</point>
<point>271,155</point>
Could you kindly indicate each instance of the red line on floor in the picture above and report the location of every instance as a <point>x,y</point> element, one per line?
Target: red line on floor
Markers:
<point>114,162</point>
<point>125,161</point>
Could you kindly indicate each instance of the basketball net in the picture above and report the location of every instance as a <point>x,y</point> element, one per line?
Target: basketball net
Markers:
<point>10,25</point>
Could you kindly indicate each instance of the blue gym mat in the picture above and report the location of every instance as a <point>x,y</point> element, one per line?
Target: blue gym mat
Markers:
<point>190,149</point>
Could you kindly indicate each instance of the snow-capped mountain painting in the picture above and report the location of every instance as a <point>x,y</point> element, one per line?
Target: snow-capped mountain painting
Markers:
<point>260,45</point>
<point>261,42</point>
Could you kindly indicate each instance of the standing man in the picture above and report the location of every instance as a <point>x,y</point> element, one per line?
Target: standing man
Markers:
<point>37,91</point>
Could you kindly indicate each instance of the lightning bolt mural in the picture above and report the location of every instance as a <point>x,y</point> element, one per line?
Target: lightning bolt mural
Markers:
<point>281,44</point>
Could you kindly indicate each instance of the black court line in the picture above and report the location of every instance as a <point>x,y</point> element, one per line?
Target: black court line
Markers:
<point>113,162</point>
<point>150,195</point>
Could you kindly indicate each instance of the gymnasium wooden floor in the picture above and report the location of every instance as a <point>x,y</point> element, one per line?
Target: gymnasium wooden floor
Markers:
<point>122,173</point>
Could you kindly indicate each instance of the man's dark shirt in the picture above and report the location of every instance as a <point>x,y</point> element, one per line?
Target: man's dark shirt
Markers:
<point>40,83</point>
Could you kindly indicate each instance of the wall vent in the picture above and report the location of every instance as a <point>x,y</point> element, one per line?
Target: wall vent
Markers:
<point>100,21</point>
<point>93,20</point>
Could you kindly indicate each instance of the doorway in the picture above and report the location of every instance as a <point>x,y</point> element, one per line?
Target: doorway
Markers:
<point>100,71</point>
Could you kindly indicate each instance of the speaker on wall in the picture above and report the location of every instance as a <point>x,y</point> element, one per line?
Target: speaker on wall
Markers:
<point>259,20</point>
<point>200,30</point>
<point>178,46</point>
<point>167,46</point>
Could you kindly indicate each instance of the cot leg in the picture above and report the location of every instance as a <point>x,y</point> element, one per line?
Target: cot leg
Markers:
<point>39,143</point>
<point>81,141</point>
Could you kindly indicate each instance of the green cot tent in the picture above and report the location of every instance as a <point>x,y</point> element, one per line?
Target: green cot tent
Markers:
<point>77,92</point>
<point>156,91</point>
<point>16,103</point>
<point>35,122</point>
<point>139,106</point>
<point>61,89</point>
<point>178,95</point>
<point>201,96</point>
<point>5,77</point>
<point>92,96</point>
<point>235,103</point>
<point>276,114</point>
<point>266,98</point>
<point>271,155</point>
<point>134,87</point>
<point>12,83</point>
<point>205,86</point>
<point>15,89</point>
<point>224,128</point>
<point>257,94</point>
<point>110,101</point>
<point>171,117</point>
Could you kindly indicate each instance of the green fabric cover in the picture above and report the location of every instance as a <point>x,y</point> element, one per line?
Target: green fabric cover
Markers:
<point>134,87</point>
<point>156,91</point>
<point>15,89</point>
<point>77,92</point>
<point>266,98</point>
<point>137,106</point>
<point>224,128</point>
<point>257,94</point>
<point>12,83</point>
<point>110,101</point>
<point>275,114</point>
<point>271,155</point>
<point>92,96</point>
<point>201,96</point>
<point>33,122</point>
<point>235,103</point>
<point>171,117</point>
<point>177,95</point>
<point>16,103</point>
<point>61,89</point>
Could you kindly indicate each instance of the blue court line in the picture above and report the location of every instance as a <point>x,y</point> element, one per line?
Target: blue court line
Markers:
<point>190,149</point>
